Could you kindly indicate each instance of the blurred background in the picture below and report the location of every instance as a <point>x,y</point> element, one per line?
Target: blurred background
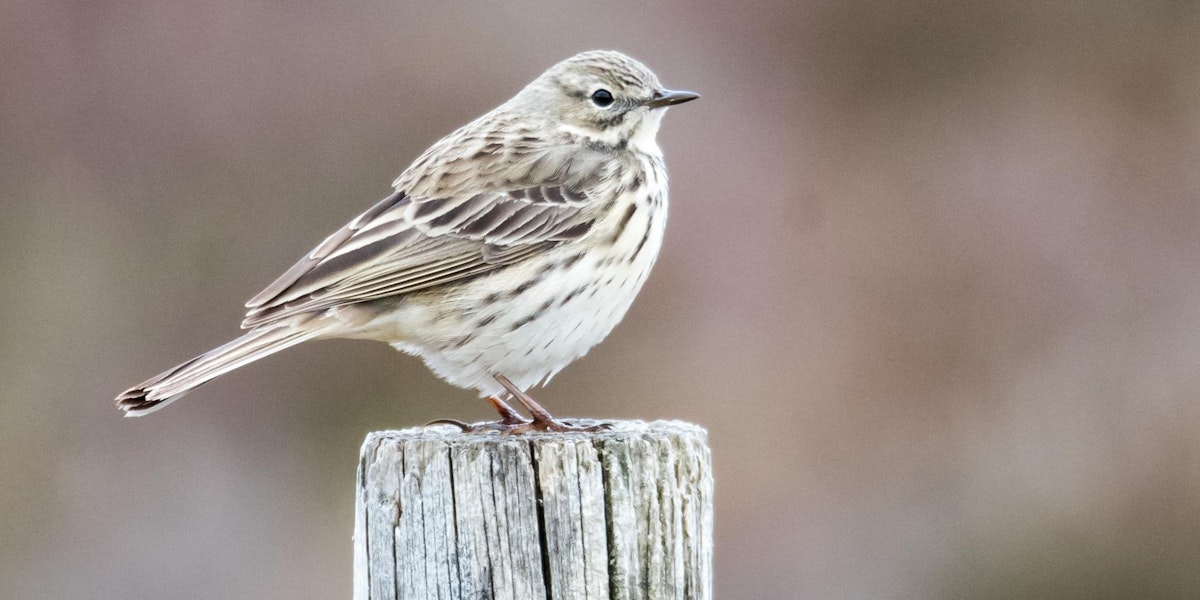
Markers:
<point>931,281</point>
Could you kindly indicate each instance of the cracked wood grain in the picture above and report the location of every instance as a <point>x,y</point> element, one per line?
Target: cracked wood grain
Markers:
<point>620,514</point>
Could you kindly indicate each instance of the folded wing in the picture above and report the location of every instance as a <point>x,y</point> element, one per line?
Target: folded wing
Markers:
<point>405,244</point>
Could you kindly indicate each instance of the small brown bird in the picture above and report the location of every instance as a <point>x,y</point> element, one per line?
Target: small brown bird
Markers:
<point>509,248</point>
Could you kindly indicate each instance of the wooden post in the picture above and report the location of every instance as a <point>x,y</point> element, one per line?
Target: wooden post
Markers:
<point>622,514</point>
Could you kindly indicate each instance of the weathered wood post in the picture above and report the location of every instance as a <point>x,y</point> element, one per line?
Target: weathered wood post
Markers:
<point>619,514</point>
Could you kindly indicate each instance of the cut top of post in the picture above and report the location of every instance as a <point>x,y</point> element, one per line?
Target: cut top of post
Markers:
<point>616,430</point>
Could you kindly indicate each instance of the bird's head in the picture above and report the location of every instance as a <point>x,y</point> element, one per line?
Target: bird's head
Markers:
<point>603,98</point>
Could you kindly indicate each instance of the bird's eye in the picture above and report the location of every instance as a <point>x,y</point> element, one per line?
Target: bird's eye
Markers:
<point>602,98</point>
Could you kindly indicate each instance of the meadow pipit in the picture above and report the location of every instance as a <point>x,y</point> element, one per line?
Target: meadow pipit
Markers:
<point>508,249</point>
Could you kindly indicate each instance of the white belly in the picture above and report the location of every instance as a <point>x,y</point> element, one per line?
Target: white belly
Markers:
<point>530,336</point>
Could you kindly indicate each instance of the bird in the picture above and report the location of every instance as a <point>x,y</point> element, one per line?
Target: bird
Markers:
<point>505,251</point>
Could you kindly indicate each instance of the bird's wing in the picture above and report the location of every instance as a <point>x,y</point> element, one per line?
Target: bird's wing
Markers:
<point>407,243</point>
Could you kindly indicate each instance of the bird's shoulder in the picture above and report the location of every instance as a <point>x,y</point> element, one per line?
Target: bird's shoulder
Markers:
<point>476,200</point>
<point>502,152</point>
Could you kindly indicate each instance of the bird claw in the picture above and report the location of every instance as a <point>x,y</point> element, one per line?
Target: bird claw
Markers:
<point>573,426</point>
<point>512,423</point>
<point>555,426</point>
<point>511,427</point>
<point>455,422</point>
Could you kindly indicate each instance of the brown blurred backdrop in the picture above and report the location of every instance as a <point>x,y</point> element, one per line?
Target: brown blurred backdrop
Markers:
<point>931,281</point>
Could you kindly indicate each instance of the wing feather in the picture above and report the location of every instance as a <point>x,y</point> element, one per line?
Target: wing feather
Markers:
<point>405,244</point>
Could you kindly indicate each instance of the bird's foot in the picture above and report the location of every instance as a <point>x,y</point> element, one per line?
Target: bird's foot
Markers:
<point>521,426</point>
<point>554,425</point>
<point>508,418</point>
<point>512,423</point>
<point>497,426</point>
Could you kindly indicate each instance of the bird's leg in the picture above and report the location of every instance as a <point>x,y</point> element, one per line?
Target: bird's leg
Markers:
<point>539,414</point>
<point>542,420</point>
<point>511,421</point>
<point>508,418</point>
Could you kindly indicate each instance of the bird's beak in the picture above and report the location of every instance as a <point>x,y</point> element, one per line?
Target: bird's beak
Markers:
<point>663,98</point>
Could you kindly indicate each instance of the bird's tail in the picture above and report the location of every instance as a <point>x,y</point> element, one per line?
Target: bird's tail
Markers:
<point>170,385</point>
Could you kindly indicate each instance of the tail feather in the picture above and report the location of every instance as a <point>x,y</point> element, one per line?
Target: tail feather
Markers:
<point>170,385</point>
